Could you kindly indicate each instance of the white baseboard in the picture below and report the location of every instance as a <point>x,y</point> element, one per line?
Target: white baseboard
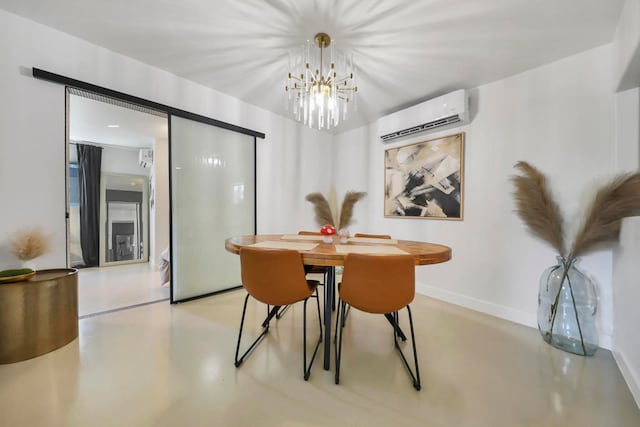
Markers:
<point>493,309</point>
<point>632,378</point>
<point>476,304</point>
<point>606,341</point>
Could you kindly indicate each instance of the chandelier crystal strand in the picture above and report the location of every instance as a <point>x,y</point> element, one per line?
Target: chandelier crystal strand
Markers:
<point>321,83</point>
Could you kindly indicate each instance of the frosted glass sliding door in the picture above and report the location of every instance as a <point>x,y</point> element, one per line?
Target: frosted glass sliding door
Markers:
<point>212,198</point>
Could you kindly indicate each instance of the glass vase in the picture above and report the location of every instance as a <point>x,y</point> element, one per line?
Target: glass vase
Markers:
<point>567,305</point>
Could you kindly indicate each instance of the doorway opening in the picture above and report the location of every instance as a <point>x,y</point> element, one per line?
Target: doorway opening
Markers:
<point>117,201</point>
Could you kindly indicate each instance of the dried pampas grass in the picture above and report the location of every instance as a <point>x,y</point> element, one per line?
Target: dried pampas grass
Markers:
<point>537,208</point>
<point>29,244</point>
<point>346,213</point>
<point>321,208</point>
<point>614,201</point>
<point>324,213</point>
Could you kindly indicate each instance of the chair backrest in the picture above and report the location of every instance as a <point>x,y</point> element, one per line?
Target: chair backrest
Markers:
<point>309,233</point>
<point>373,236</point>
<point>274,276</point>
<point>378,283</point>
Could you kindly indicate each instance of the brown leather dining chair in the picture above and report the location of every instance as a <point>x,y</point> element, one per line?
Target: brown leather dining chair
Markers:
<point>311,269</point>
<point>379,284</point>
<point>276,277</point>
<point>373,236</point>
<point>370,236</point>
<point>317,269</point>
<point>314,269</point>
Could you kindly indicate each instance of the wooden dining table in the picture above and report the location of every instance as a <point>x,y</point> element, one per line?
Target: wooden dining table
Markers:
<point>316,252</point>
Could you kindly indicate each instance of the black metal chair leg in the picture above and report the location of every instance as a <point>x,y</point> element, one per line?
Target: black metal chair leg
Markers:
<point>335,333</point>
<point>271,313</point>
<point>393,320</point>
<point>306,370</point>
<point>338,346</point>
<point>416,382</point>
<point>333,301</point>
<point>281,312</point>
<point>345,315</point>
<point>341,318</point>
<point>238,362</point>
<point>319,315</point>
<point>415,377</point>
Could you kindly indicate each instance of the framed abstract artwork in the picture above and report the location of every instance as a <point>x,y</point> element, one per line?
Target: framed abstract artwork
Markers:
<point>425,179</point>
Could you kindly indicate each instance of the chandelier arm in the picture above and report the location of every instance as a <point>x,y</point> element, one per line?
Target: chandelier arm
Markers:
<point>343,79</point>
<point>321,48</point>
<point>314,79</point>
<point>330,71</point>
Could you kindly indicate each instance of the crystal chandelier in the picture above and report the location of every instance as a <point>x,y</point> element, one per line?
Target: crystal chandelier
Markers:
<point>320,89</point>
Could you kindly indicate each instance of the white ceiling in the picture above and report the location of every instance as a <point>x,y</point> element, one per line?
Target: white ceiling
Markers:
<point>94,121</point>
<point>406,51</point>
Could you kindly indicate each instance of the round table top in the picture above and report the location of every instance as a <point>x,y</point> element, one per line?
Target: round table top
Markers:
<point>325,254</point>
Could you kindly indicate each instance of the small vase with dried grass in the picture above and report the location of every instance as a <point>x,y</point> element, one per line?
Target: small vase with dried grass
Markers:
<point>567,300</point>
<point>325,215</point>
<point>29,244</point>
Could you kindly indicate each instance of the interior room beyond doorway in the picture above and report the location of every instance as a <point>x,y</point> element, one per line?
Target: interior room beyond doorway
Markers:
<point>117,201</point>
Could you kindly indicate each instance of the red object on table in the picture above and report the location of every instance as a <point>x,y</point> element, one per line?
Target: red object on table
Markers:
<point>328,230</point>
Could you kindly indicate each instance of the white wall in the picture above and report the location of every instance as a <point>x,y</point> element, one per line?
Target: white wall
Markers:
<point>626,282</point>
<point>626,296</point>
<point>558,117</point>
<point>160,211</point>
<point>354,171</point>
<point>32,129</point>
<point>122,161</point>
<point>626,285</point>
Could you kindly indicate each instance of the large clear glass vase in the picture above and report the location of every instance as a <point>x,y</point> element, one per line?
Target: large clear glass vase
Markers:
<point>567,305</point>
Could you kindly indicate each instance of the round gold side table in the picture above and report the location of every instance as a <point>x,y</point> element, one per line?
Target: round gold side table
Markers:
<point>38,315</point>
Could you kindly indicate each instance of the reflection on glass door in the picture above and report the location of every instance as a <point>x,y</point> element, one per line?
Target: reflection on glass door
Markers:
<point>212,198</point>
<point>123,232</point>
<point>124,214</point>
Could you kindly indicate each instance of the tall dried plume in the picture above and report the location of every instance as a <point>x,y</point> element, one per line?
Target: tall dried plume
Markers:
<point>537,208</point>
<point>346,212</point>
<point>321,209</point>
<point>603,219</point>
<point>29,244</point>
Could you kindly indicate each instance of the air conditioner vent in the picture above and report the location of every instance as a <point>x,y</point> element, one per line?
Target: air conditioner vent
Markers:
<point>145,157</point>
<point>427,126</point>
<point>444,111</point>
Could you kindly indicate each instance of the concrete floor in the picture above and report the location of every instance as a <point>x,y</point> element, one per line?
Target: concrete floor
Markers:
<point>163,365</point>
<point>108,288</point>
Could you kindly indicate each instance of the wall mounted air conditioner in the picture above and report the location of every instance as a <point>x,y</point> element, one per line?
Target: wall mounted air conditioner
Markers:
<point>447,110</point>
<point>145,157</point>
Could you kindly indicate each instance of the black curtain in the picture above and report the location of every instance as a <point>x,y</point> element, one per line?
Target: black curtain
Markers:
<point>89,165</point>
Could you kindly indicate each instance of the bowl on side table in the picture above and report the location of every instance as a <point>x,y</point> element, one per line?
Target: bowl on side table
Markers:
<point>18,275</point>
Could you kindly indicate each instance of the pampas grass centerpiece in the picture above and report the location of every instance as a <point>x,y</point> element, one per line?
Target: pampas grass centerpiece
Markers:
<point>323,212</point>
